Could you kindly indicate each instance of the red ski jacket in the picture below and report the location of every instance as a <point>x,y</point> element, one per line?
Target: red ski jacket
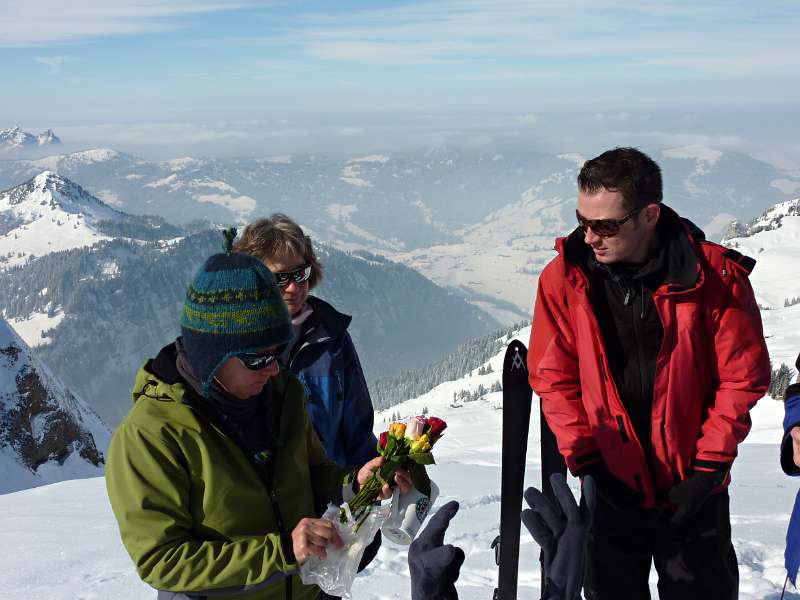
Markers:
<point>712,368</point>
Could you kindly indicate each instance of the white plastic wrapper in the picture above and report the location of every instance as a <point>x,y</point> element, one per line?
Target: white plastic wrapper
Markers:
<point>335,574</point>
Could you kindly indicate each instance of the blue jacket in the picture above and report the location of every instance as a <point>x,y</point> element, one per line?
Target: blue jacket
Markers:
<point>325,361</point>
<point>791,418</point>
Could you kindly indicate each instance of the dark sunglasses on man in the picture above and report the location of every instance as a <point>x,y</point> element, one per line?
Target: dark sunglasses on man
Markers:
<point>299,275</point>
<point>605,227</point>
<point>255,361</point>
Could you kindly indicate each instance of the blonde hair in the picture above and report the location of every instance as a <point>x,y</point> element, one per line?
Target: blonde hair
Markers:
<point>277,239</point>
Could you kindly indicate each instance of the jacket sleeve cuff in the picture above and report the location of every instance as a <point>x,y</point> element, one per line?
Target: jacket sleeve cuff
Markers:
<point>586,463</point>
<point>712,466</point>
<point>719,471</point>
<point>288,548</point>
<point>787,453</point>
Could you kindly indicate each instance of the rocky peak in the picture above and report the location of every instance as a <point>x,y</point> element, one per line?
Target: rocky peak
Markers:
<point>47,138</point>
<point>16,139</point>
<point>46,431</point>
<point>770,220</point>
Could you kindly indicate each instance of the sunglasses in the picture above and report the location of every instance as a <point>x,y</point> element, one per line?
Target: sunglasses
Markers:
<point>256,361</point>
<point>605,227</point>
<point>299,275</point>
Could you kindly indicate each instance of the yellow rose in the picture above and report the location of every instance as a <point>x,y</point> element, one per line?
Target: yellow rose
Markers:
<point>397,430</point>
<point>421,444</point>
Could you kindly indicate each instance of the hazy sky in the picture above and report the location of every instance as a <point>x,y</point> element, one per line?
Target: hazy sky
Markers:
<point>265,77</point>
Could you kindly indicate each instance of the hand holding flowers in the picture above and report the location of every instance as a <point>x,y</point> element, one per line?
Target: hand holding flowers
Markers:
<point>331,554</point>
<point>401,477</point>
<point>404,449</point>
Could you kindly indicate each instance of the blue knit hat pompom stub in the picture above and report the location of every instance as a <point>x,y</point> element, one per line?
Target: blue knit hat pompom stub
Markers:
<point>233,305</point>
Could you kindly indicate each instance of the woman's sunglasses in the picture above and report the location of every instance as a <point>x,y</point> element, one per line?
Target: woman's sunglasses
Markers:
<point>299,275</point>
<point>256,361</point>
<point>605,227</point>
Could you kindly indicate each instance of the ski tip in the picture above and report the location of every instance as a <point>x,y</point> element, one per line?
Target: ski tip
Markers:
<point>516,358</point>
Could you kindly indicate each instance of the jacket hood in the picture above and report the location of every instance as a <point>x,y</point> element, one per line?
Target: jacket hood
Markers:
<point>159,378</point>
<point>679,236</point>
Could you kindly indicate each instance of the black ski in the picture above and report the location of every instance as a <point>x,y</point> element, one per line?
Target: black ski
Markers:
<point>552,462</point>
<point>516,420</point>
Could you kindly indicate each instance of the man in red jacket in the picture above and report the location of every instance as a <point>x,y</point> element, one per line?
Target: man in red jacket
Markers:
<point>648,354</point>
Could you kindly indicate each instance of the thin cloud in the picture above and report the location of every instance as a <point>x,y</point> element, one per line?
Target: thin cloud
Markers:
<point>55,63</point>
<point>714,37</point>
<point>48,22</point>
<point>739,64</point>
<point>667,139</point>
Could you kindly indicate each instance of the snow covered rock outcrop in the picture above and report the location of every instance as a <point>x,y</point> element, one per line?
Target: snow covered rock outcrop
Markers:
<point>770,220</point>
<point>46,433</point>
<point>773,239</point>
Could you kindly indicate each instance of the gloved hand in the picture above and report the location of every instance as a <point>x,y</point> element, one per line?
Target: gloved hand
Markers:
<point>561,531</point>
<point>611,490</point>
<point>690,494</point>
<point>434,567</point>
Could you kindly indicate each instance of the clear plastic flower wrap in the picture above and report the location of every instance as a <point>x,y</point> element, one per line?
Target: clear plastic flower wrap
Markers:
<point>335,574</point>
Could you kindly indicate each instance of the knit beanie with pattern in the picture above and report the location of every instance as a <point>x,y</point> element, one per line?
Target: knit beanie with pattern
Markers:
<point>232,306</point>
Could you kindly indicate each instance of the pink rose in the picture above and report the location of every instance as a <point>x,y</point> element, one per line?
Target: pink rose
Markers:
<point>415,427</point>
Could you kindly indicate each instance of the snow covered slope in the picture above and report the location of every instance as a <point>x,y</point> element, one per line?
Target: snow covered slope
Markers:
<point>46,433</point>
<point>773,239</point>
<point>46,214</point>
<point>47,525</point>
<point>497,261</point>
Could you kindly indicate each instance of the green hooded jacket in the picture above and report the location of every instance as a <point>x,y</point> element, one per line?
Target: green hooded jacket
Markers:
<point>193,511</point>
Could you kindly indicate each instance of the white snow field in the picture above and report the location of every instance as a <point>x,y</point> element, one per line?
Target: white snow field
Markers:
<point>60,541</point>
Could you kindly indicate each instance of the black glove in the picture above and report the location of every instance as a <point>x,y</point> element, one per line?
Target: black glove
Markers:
<point>434,567</point>
<point>611,490</point>
<point>561,531</point>
<point>690,494</point>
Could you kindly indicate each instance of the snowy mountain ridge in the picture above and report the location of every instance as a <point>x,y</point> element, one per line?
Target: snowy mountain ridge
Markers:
<point>15,139</point>
<point>769,220</point>
<point>49,213</point>
<point>773,239</point>
<point>46,433</point>
<point>424,208</point>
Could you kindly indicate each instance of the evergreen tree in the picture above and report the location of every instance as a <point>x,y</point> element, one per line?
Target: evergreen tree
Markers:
<point>781,379</point>
<point>388,391</point>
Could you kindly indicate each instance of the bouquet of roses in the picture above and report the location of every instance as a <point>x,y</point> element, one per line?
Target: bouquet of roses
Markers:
<point>407,445</point>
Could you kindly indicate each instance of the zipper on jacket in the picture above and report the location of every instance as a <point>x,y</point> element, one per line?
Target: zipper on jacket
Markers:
<point>263,472</point>
<point>603,367</point>
<point>638,336</point>
<point>641,316</point>
<point>622,432</point>
<point>584,297</point>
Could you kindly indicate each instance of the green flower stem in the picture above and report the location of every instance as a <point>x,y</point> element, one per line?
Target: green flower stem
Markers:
<point>369,492</point>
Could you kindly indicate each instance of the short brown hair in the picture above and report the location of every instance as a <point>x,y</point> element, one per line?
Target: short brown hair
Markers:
<point>628,171</point>
<point>278,238</point>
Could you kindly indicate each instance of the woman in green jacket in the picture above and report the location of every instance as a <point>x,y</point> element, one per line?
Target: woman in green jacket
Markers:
<point>216,476</point>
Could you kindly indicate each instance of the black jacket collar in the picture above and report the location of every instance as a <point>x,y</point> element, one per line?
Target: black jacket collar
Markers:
<point>678,239</point>
<point>327,321</point>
